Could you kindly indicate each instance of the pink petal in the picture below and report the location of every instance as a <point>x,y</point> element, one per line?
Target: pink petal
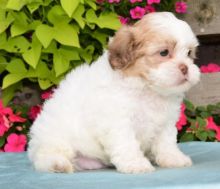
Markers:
<point>12,138</point>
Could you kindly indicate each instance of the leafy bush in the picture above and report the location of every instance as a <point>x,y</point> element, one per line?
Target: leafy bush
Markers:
<point>41,40</point>
<point>200,123</point>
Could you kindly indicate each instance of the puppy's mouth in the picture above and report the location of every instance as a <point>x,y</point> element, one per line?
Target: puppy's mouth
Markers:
<point>182,81</point>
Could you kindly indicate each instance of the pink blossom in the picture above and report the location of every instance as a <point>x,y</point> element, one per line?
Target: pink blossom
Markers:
<point>137,12</point>
<point>34,111</point>
<point>5,110</point>
<point>149,9</point>
<point>134,1</point>
<point>149,2</point>
<point>47,94</point>
<point>15,143</point>
<point>16,118</point>
<point>123,20</point>
<point>182,119</point>
<point>3,129</point>
<point>180,7</point>
<point>113,1</point>
<point>210,68</point>
<point>212,125</point>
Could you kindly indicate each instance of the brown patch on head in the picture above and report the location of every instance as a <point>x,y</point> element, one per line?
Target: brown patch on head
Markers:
<point>123,48</point>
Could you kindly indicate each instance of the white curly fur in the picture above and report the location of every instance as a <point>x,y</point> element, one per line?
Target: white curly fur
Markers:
<point>99,117</point>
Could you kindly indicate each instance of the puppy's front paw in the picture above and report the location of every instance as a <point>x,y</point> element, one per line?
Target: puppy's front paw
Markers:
<point>136,166</point>
<point>173,160</point>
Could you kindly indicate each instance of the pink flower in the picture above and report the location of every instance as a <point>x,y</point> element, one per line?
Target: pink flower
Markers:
<point>16,118</point>
<point>34,111</point>
<point>149,9</point>
<point>212,125</point>
<point>123,20</point>
<point>180,7</point>
<point>3,110</point>
<point>113,1</point>
<point>3,129</point>
<point>15,143</point>
<point>137,12</point>
<point>134,1</point>
<point>153,1</point>
<point>47,94</point>
<point>182,119</point>
<point>210,68</point>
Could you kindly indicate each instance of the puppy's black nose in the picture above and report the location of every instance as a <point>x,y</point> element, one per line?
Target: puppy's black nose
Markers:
<point>183,68</point>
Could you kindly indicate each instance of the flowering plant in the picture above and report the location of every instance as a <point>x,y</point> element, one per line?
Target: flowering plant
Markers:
<point>13,129</point>
<point>200,123</point>
<point>131,10</point>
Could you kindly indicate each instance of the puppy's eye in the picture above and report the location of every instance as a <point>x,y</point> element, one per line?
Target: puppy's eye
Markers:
<point>189,53</point>
<point>164,52</point>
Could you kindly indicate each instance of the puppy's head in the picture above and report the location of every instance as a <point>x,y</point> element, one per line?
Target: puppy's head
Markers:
<point>160,49</point>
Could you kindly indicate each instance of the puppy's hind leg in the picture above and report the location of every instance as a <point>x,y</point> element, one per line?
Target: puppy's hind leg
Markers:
<point>49,158</point>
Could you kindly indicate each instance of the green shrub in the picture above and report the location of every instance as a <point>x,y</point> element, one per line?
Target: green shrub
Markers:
<point>41,40</point>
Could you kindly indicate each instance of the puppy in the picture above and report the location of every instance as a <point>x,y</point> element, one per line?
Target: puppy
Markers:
<point>121,111</point>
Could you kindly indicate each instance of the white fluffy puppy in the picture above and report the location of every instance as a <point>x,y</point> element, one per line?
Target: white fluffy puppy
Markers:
<point>122,109</point>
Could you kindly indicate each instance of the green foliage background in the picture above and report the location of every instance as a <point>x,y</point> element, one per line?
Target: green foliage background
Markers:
<point>41,40</point>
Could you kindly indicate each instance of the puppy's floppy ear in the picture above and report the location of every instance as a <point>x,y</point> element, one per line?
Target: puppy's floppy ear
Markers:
<point>122,48</point>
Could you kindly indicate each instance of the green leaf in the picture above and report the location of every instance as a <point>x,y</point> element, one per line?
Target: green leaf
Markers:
<point>109,20</point>
<point>202,135</point>
<point>12,79</point>
<point>69,6</point>
<point>187,137</point>
<point>61,63</point>
<point>62,58</point>
<point>32,55</point>
<point>205,114</point>
<point>8,93</point>
<point>77,15</point>
<point>45,34</point>
<point>42,71</point>
<point>92,4</point>
<point>51,48</point>
<point>16,45</point>
<point>3,64</point>
<point>201,122</point>
<point>101,37</point>
<point>87,53</point>
<point>57,15</point>
<point>16,66</point>
<point>105,20</point>
<point>20,24</point>
<point>189,106</point>
<point>2,141</point>
<point>44,83</point>
<point>16,4</point>
<point>211,134</point>
<point>211,108</point>
<point>5,20</point>
<point>33,6</point>
<point>67,35</point>
<point>201,108</point>
<point>91,16</point>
